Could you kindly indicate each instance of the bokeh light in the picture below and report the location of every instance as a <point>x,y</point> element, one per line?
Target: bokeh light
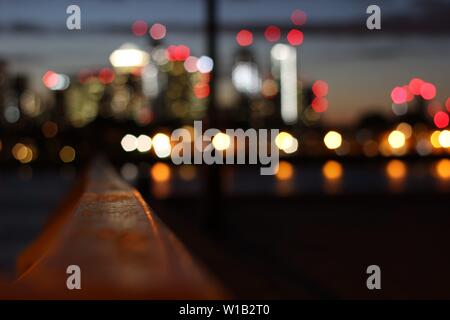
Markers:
<point>106,75</point>
<point>158,31</point>
<point>190,64</point>
<point>55,81</point>
<point>295,37</point>
<point>415,86</point>
<point>409,94</point>
<point>161,145</point>
<point>201,90</point>
<point>285,171</point>
<point>332,170</point>
<point>221,141</point>
<point>428,91</point>
<point>444,138</point>
<point>332,140</point>
<point>441,119</point>
<point>50,79</point>
<point>293,147</point>
<point>244,38</point>
<point>22,153</point>
<point>280,51</point>
<point>67,154</point>
<point>319,104</point>
<point>396,169</point>
<point>272,33</point>
<point>396,139</point>
<point>284,140</point>
<point>129,56</point>
<point>320,88</point>
<point>298,17</point>
<point>399,95</point>
<point>434,139</point>
<point>129,143</point>
<point>178,53</point>
<point>443,169</point>
<point>205,64</point>
<point>139,28</point>
<point>144,143</point>
<point>406,129</point>
<point>160,172</point>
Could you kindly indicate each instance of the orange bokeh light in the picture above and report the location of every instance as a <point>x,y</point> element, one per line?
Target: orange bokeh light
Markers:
<point>396,169</point>
<point>160,172</point>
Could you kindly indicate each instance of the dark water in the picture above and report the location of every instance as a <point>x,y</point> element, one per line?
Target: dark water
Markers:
<point>27,198</point>
<point>317,246</point>
<point>308,237</point>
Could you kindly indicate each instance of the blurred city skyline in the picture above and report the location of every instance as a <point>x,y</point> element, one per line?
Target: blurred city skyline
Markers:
<point>360,66</point>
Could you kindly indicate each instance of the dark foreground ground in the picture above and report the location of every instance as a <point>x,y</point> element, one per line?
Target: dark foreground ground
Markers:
<point>297,245</point>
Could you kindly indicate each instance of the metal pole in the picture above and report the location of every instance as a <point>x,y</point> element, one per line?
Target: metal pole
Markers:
<point>213,192</point>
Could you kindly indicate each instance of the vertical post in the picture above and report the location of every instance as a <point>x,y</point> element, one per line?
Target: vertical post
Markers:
<point>213,192</point>
<point>211,43</point>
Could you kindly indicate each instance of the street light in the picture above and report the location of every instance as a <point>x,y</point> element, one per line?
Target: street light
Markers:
<point>129,56</point>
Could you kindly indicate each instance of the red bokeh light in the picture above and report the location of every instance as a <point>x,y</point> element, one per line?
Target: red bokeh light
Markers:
<point>201,90</point>
<point>295,37</point>
<point>183,52</point>
<point>139,28</point>
<point>272,33</point>
<point>298,17</point>
<point>409,94</point>
<point>320,88</point>
<point>158,31</point>
<point>244,38</point>
<point>415,85</point>
<point>428,91</point>
<point>320,104</point>
<point>178,53</point>
<point>106,75</point>
<point>447,104</point>
<point>50,79</point>
<point>441,119</point>
<point>170,53</point>
<point>399,95</point>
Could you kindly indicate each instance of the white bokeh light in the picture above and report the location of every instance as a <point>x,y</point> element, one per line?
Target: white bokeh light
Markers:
<point>205,64</point>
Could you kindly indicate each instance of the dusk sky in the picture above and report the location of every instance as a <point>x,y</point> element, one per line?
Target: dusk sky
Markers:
<point>361,66</point>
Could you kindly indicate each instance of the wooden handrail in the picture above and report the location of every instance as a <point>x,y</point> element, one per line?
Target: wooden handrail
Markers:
<point>123,250</point>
